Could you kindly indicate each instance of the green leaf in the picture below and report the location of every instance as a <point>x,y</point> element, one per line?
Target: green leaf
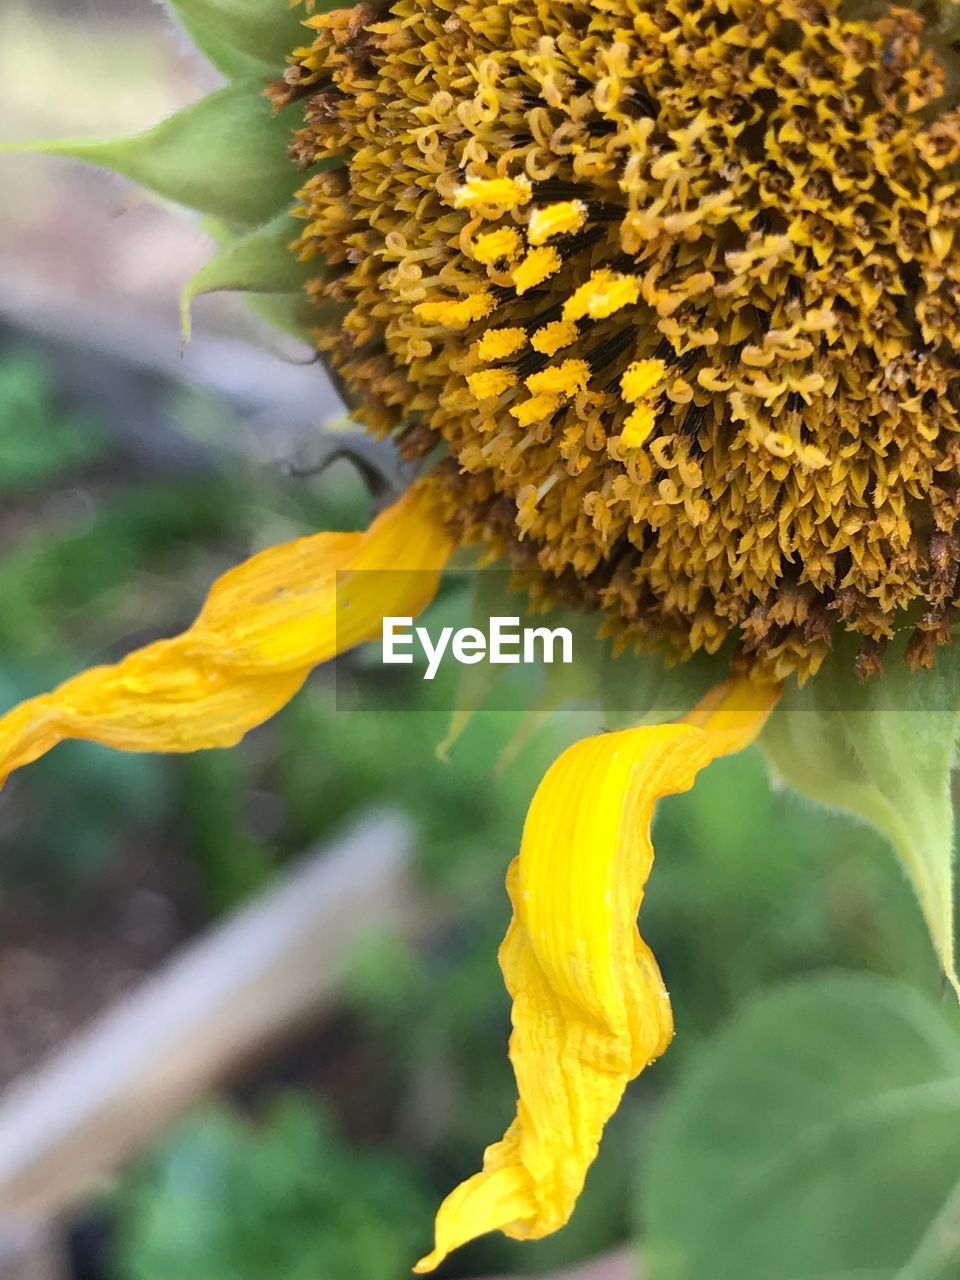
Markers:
<point>239,34</point>
<point>814,1139</point>
<point>225,156</point>
<point>628,688</point>
<point>259,262</point>
<point>882,751</point>
<point>491,596</point>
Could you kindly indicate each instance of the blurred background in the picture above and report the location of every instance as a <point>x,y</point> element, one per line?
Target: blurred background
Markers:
<point>251,1021</point>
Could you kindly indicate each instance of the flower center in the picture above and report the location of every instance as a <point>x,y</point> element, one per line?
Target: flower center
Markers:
<point>676,283</point>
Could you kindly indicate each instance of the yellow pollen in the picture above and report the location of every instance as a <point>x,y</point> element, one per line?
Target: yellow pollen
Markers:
<point>497,193</point>
<point>640,378</point>
<point>491,382</point>
<point>498,344</point>
<point>556,220</point>
<point>537,266</point>
<point>560,380</point>
<point>457,313</point>
<point>552,337</point>
<point>638,425</point>
<point>493,245</point>
<point>604,293</point>
<point>535,409</point>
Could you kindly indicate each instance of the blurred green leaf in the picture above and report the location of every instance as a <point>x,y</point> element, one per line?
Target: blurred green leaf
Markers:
<point>80,806</point>
<point>228,1200</point>
<point>37,442</point>
<point>53,581</point>
<point>225,156</point>
<point>233,862</point>
<point>815,1138</point>
<point>491,595</point>
<point>639,688</point>
<point>882,751</point>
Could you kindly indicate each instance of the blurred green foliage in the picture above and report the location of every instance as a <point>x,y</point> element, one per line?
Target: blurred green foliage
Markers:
<point>228,1200</point>
<point>37,440</point>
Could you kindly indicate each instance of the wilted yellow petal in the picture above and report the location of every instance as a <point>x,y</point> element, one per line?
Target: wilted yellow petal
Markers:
<point>590,1010</point>
<point>264,625</point>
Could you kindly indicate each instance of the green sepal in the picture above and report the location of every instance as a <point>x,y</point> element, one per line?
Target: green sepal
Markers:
<point>241,36</point>
<point>232,63</point>
<point>238,34</point>
<point>225,155</point>
<point>291,313</point>
<point>641,688</point>
<point>259,262</point>
<point>882,751</point>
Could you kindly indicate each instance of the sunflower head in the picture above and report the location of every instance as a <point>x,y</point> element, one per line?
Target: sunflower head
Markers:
<point>677,286</point>
<point>672,290</point>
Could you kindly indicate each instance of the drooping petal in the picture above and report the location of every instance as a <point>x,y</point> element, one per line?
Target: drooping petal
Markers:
<point>590,1010</point>
<point>263,626</point>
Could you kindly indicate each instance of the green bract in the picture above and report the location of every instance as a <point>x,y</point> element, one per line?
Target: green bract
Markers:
<point>882,751</point>
<point>242,37</point>
<point>259,262</point>
<point>225,156</point>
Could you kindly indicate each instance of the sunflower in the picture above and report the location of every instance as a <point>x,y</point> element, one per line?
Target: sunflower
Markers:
<point>663,298</point>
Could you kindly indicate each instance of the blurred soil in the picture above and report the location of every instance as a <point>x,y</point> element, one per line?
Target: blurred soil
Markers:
<point>61,962</point>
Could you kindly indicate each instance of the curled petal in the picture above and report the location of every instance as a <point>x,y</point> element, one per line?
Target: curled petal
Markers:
<point>264,625</point>
<point>590,1010</point>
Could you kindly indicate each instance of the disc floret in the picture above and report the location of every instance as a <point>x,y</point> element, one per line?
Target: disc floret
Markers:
<point>678,286</point>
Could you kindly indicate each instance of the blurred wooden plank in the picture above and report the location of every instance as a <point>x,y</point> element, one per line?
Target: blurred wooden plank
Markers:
<point>238,368</point>
<point>119,363</point>
<point>237,990</point>
<point>33,1255</point>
